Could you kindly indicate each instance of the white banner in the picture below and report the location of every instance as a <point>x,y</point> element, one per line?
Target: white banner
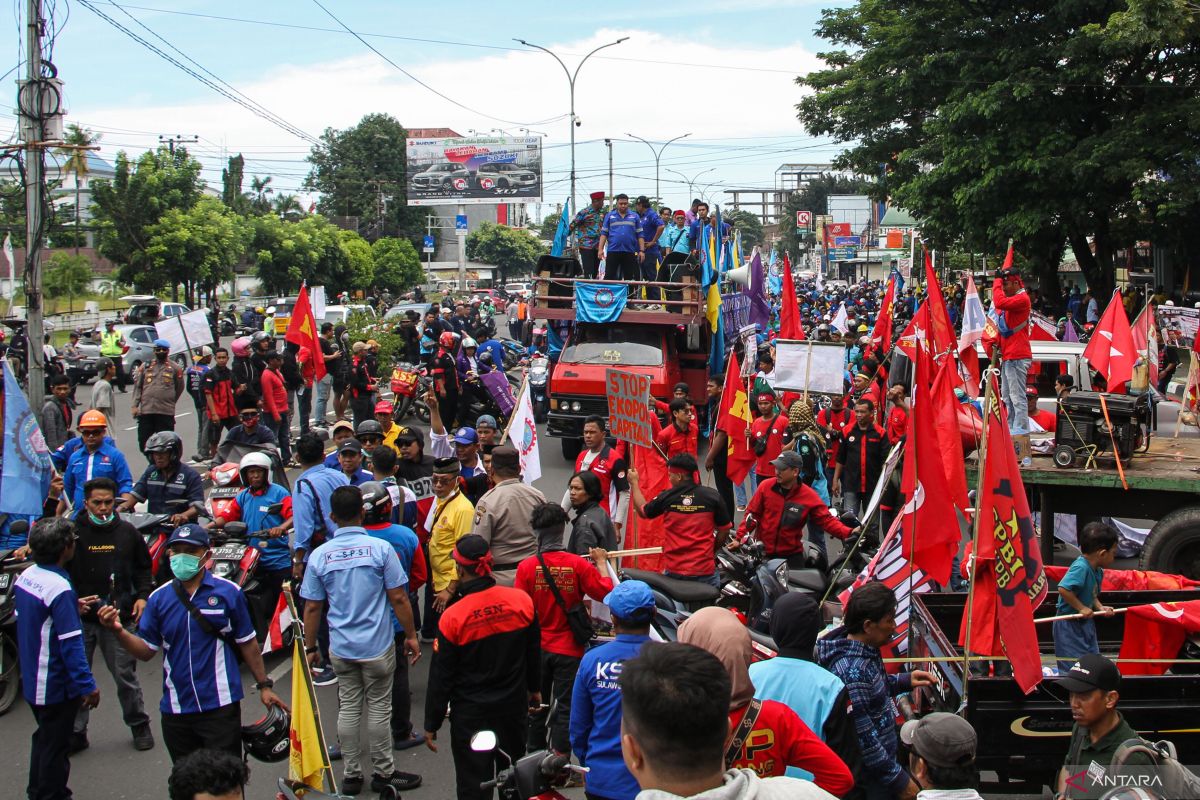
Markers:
<point>185,332</point>
<point>809,366</point>
<point>523,434</point>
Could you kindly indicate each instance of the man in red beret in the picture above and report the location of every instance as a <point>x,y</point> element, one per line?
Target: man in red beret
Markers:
<point>586,226</point>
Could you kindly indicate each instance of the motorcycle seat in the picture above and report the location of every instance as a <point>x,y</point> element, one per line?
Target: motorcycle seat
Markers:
<point>683,591</point>
<point>764,640</point>
<point>811,580</point>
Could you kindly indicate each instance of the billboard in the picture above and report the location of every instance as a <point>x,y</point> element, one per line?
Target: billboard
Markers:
<point>478,169</point>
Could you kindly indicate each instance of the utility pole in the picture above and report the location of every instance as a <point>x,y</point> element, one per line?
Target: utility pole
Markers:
<point>608,144</point>
<point>462,250</point>
<point>35,203</point>
<point>657,158</point>
<point>171,141</point>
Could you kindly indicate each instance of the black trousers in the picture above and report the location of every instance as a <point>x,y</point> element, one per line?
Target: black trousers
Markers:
<point>219,729</point>
<point>401,695</point>
<point>558,680</point>
<point>150,424</point>
<point>471,768</point>
<point>589,261</point>
<point>49,765</point>
<point>621,267</point>
<point>722,480</point>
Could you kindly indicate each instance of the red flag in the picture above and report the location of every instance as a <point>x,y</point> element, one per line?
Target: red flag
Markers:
<point>931,533</point>
<point>946,425</point>
<point>1111,351</point>
<point>302,330</point>
<point>941,332</point>
<point>1008,572</point>
<point>652,476</point>
<point>1157,631</point>
<point>789,312</point>
<point>1132,580</point>
<point>881,334</point>
<point>1145,340</point>
<point>733,417</point>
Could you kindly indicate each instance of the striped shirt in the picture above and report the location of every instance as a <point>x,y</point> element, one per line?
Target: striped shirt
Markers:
<point>54,668</point>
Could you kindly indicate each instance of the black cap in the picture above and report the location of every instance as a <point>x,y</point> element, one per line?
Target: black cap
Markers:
<point>788,459</point>
<point>506,457</point>
<point>1090,673</point>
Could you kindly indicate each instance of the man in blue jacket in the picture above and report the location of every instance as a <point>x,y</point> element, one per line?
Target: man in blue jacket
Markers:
<point>98,458</point>
<point>55,675</point>
<point>596,699</point>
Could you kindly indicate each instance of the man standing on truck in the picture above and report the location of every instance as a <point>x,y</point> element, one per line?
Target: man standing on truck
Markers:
<point>1012,305</point>
<point>622,246</point>
<point>586,226</point>
<point>651,228</point>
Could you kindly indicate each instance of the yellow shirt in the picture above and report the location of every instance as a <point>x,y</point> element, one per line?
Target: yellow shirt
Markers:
<point>454,518</point>
<point>389,438</point>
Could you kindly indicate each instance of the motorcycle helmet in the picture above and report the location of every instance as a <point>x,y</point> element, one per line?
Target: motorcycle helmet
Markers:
<point>258,337</point>
<point>485,358</point>
<point>240,347</point>
<point>469,342</point>
<point>446,339</point>
<point>258,309</point>
<point>165,442</point>
<point>368,427</point>
<point>270,309</point>
<point>268,739</point>
<point>249,460</point>
<point>377,502</point>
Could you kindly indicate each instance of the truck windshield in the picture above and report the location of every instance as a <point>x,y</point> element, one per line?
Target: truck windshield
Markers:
<point>614,344</point>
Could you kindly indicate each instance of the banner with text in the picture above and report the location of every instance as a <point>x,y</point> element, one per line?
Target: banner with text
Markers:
<point>474,170</point>
<point>628,414</point>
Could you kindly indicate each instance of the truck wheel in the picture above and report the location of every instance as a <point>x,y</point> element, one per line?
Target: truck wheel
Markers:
<point>10,672</point>
<point>571,448</point>
<point>1064,456</point>
<point>1173,545</point>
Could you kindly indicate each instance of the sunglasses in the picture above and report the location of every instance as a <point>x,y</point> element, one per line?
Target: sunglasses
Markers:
<point>250,416</point>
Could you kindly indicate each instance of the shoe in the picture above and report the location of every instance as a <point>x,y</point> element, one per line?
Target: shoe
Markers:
<point>143,739</point>
<point>324,677</point>
<point>398,780</point>
<point>406,742</point>
<point>353,785</point>
<point>77,743</point>
<point>335,751</point>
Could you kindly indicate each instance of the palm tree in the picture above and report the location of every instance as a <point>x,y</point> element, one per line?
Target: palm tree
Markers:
<point>76,163</point>
<point>287,206</point>
<point>260,188</point>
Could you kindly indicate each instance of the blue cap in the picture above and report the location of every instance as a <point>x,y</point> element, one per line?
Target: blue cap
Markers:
<point>162,343</point>
<point>465,436</point>
<point>486,419</point>
<point>631,600</point>
<point>189,533</point>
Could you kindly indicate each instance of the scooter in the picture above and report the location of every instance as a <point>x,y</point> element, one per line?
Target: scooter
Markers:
<point>539,379</point>
<point>530,777</point>
<point>10,667</point>
<point>409,385</point>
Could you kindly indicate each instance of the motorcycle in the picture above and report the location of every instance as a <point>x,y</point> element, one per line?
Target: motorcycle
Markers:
<point>530,777</point>
<point>234,557</point>
<point>154,530</point>
<point>10,667</point>
<point>514,354</point>
<point>674,600</point>
<point>409,385</point>
<point>539,379</point>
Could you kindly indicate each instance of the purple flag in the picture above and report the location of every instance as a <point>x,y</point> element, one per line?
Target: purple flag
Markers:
<point>498,387</point>
<point>760,312</point>
<point>1069,332</point>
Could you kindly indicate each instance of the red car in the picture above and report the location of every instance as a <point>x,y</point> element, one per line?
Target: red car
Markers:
<point>499,299</point>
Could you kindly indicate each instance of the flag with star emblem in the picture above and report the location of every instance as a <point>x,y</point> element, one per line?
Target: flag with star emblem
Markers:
<point>1007,570</point>
<point>302,330</point>
<point>1111,350</point>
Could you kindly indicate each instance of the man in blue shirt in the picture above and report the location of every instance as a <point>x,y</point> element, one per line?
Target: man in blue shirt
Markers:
<point>55,676</point>
<point>596,698</point>
<point>359,576</point>
<point>167,478</point>
<point>650,228</point>
<point>350,461</point>
<point>621,244</point>
<point>197,620</point>
<point>98,458</point>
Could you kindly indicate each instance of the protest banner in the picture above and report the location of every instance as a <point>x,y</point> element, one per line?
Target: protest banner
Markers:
<point>628,415</point>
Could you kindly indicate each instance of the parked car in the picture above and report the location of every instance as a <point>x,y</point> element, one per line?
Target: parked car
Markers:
<point>447,176</point>
<point>139,343</point>
<point>504,176</point>
<point>339,314</point>
<point>146,309</point>
<point>513,289</point>
<point>499,298</point>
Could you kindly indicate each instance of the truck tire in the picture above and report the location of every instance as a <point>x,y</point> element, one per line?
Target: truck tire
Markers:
<point>571,449</point>
<point>10,672</point>
<point>1173,545</point>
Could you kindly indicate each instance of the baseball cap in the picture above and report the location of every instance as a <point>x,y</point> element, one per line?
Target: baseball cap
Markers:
<point>383,407</point>
<point>341,424</point>
<point>486,420</point>
<point>944,740</point>
<point>465,436</point>
<point>190,533</point>
<point>350,446</point>
<point>1092,672</point>
<point>631,600</point>
<point>788,459</point>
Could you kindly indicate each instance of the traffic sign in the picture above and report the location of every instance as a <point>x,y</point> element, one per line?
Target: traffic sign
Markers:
<point>804,220</point>
<point>427,245</point>
<point>460,224</point>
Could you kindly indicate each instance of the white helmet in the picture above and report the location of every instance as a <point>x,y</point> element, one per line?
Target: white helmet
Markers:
<point>469,342</point>
<point>255,460</point>
<point>270,309</point>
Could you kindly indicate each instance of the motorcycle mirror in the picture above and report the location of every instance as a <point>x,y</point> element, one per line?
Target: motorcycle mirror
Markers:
<point>20,526</point>
<point>484,742</point>
<point>849,520</point>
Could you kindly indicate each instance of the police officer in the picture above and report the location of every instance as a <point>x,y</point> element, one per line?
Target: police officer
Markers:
<point>112,347</point>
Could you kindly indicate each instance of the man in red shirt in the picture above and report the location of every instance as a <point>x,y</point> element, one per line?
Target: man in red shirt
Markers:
<point>1012,307</point>
<point>781,508</point>
<point>692,513</point>
<point>897,419</point>
<point>1046,420</point>
<point>833,421</point>
<point>606,464</point>
<point>274,396</point>
<point>766,436</point>
<point>681,435</point>
<point>573,577</point>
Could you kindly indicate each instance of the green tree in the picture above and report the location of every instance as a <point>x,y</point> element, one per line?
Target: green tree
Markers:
<point>76,164</point>
<point>231,185</point>
<point>514,250</point>
<point>260,188</point>
<point>359,266</point>
<point>350,169</point>
<point>197,248</point>
<point>140,193</point>
<point>549,226</point>
<point>68,276</point>
<point>1045,123</point>
<point>285,253</point>
<point>749,224</point>
<point>287,206</point>
<point>397,264</point>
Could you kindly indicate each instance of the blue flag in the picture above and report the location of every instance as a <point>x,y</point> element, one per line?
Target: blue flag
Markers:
<point>560,235</point>
<point>25,475</point>
<point>600,302</point>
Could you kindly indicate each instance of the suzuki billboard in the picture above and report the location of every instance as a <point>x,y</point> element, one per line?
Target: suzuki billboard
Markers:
<point>479,169</point>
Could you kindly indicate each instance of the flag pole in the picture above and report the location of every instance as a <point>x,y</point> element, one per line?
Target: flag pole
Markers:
<point>298,636</point>
<point>988,397</point>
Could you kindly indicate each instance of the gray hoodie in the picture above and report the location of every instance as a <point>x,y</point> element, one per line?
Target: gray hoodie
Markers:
<point>744,784</point>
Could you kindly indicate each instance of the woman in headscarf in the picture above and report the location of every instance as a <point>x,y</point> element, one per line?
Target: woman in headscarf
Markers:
<point>591,526</point>
<point>775,738</point>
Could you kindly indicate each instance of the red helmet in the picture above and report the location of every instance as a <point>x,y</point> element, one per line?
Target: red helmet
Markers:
<point>446,339</point>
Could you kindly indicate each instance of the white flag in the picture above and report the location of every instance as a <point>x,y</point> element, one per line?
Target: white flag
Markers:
<point>974,320</point>
<point>12,266</point>
<point>523,433</point>
<point>839,320</point>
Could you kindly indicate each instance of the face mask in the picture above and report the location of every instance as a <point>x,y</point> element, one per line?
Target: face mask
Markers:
<point>160,356</point>
<point>101,521</point>
<point>185,566</point>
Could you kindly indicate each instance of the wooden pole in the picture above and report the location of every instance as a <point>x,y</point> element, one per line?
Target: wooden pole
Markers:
<point>978,522</point>
<point>1079,616</point>
<point>298,634</point>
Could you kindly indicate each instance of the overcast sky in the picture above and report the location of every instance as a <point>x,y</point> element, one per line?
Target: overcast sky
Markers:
<point>721,71</point>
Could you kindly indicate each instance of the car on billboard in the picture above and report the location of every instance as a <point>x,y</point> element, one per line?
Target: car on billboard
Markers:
<point>504,175</point>
<point>447,175</point>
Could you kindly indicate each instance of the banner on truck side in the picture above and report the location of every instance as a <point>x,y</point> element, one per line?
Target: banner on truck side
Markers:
<point>474,170</point>
<point>628,412</point>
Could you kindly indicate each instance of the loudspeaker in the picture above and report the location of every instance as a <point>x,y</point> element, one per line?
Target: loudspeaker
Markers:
<point>740,275</point>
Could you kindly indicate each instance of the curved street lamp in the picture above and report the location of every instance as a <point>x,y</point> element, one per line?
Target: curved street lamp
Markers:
<point>657,155</point>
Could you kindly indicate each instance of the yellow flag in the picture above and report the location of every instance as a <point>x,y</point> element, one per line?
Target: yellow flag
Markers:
<point>713,306</point>
<point>308,759</point>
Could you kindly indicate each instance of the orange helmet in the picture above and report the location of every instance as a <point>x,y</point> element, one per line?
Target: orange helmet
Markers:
<point>93,419</point>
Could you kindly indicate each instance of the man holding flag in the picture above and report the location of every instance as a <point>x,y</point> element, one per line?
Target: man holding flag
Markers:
<point>302,330</point>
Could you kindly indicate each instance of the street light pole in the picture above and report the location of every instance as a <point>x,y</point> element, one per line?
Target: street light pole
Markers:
<point>657,155</point>
<point>572,122</point>
<point>691,182</point>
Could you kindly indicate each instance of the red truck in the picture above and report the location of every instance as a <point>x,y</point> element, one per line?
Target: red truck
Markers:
<point>667,340</point>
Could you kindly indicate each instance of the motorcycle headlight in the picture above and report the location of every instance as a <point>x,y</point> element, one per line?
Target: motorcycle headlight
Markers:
<point>781,573</point>
<point>222,568</point>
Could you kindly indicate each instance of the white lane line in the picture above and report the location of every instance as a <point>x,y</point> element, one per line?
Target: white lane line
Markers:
<point>284,668</point>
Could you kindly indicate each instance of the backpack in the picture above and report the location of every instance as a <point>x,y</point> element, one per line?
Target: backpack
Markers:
<point>1177,781</point>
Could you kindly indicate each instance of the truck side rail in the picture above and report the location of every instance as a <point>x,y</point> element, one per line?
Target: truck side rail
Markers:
<point>680,303</point>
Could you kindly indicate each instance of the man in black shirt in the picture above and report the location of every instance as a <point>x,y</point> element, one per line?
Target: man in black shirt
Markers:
<point>251,431</point>
<point>111,567</point>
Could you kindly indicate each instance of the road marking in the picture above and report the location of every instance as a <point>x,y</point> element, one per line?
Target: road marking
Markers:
<point>284,668</point>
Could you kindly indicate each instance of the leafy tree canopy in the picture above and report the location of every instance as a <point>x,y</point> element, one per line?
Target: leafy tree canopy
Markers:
<point>514,250</point>
<point>66,275</point>
<point>397,264</point>
<point>749,224</point>
<point>196,248</point>
<point>285,253</point>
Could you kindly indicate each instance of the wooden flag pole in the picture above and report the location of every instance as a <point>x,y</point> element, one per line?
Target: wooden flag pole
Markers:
<point>1079,616</point>
<point>298,634</point>
<point>978,522</point>
<point>637,551</point>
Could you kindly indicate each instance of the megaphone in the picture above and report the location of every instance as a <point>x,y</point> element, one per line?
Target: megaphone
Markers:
<point>740,275</point>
